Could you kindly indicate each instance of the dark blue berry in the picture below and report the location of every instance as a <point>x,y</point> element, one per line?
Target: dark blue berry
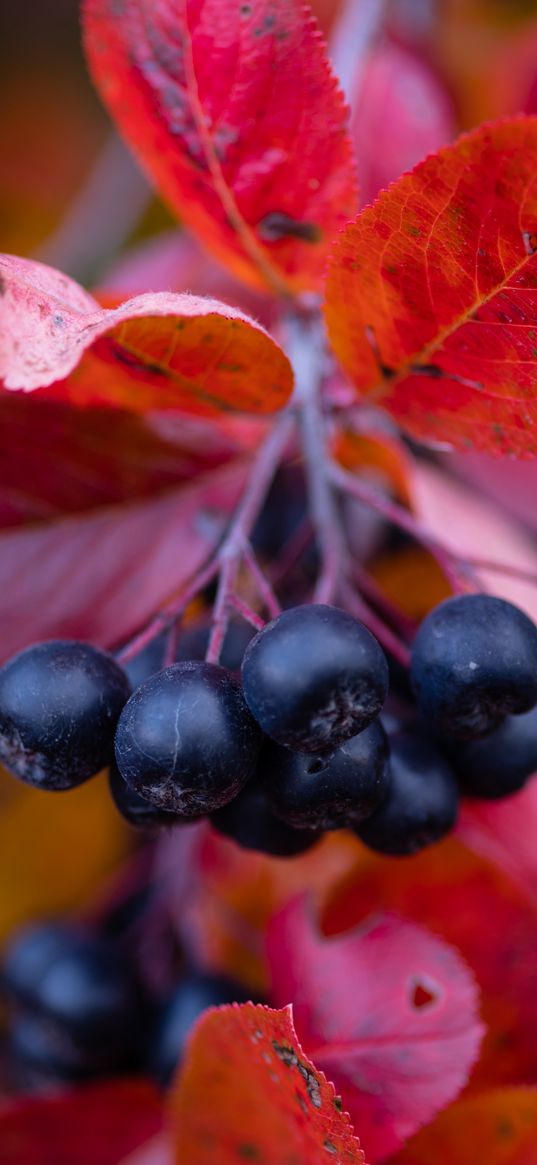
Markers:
<point>251,823</point>
<point>193,995</point>
<point>328,792</point>
<point>421,804</point>
<point>314,677</point>
<point>134,808</point>
<point>78,982</point>
<point>186,740</point>
<point>59,706</point>
<point>499,764</point>
<point>474,661</point>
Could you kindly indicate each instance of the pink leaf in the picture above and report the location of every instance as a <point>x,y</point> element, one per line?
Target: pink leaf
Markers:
<point>99,576</point>
<point>388,1011</point>
<point>403,114</point>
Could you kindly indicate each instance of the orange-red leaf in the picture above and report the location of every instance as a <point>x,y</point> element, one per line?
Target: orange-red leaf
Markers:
<point>496,1128</point>
<point>234,112</point>
<point>247,1092</point>
<point>159,350</point>
<point>431,298</point>
<point>388,1011</point>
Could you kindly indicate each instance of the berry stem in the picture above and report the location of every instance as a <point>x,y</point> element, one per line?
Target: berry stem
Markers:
<point>235,544</point>
<point>170,613</point>
<point>246,612</point>
<point>264,587</point>
<point>386,637</point>
<point>453,568</point>
<point>306,349</point>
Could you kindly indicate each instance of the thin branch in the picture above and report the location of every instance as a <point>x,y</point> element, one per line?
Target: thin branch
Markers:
<point>264,587</point>
<point>455,571</point>
<point>306,350</point>
<point>237,538</point>
<point>246,612</point>
<point>386,637</point>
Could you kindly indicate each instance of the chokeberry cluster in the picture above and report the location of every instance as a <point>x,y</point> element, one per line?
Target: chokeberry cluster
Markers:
<point>301,742</point>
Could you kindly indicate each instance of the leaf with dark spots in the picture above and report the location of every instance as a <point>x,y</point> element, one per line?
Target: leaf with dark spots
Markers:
<point>389,1012</point>
<point>247,1092</point>
<point>235,113</point>
<point>159,350</point>
<point>442,272</point>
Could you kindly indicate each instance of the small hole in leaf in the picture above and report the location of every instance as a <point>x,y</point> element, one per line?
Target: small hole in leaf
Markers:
<point>422,995</point>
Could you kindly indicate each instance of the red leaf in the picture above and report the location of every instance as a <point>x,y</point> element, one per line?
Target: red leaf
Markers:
<point>474,906</point>
<point>389,1012</point>
<point>403,113</point>
<point>95,1125</point>
<point>234,112</point>
<point>77,460</point>
<point>159,350</point>
<point>101,575</point>
<point>432,294</point>
<point>496,1128</point>
<point>247,1092</point>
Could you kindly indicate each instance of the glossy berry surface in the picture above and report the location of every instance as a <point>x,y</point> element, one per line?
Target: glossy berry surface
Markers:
<point>75,980</point>
<point>422,801</point>
<point>59,706</point>
<point>332,792</point>
<point>474,661</point>
<point>499,764</point>
<point>250,822</point>
<point>186,740</point>
<point>314,677</point>
<point>134,808</point>
<point>192,996</point>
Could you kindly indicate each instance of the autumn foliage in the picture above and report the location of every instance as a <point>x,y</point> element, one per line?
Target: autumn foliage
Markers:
<point>402,1024</point>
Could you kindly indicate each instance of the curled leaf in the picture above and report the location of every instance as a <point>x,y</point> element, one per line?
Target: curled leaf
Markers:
<point>159,350</point>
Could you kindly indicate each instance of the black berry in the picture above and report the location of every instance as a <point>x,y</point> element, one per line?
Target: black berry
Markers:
<point>59,705</point>
<point>474,661</point>
<point>251,823</point>
<point>193,995</point>
<point>421,803</point>
<point>499,764</point>
<point>186,740</point>
<point>76,981</point>
<point>314,677</point>
<point>328,792</point>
